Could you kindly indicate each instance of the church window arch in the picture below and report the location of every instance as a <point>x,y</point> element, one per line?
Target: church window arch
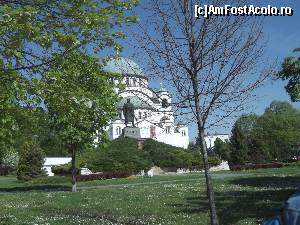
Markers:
<point>145,114</point>
<point>183,133</point>
<point>140,115</point>
<point>127,81</point>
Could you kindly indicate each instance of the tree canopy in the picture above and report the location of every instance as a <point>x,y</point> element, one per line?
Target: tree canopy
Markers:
<point>273,136</point>
<point>290,70</point>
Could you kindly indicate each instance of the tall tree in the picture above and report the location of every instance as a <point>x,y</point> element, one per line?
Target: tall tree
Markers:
<point>290,70</point>
<point>207,63</point>
<point>80,100</point>
<point>238,145</point>
<point>38,41</point>
<point>35,33</point>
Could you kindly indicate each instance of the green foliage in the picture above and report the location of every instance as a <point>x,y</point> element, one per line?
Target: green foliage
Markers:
<point>52,28</point>
<point>63,170</point>
<point>79,98</point>
<point>164,155</point>
<point>213,161</point>
<point>11,161</point>
<point>124,156</point>
<point>30,162</point>
<point>238,146</point>
<point>274,136</point>
<point>222,149</point>
<point>121,155</point>
<point>51,40</point>
<point>49,180</point>
<point>290,70</point>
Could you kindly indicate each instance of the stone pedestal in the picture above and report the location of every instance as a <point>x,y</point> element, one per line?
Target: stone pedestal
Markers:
<point>132,132</point>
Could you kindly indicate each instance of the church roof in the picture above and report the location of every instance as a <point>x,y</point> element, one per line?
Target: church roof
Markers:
<point>137,102</point>
<point>123,66</point>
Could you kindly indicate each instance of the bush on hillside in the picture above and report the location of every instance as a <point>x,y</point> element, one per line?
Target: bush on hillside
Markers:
<point>30,162</point>
<point>121,155</point>
<point>164,155</point>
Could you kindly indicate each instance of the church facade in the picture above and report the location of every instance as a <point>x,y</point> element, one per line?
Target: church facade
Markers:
<point>153,112</point>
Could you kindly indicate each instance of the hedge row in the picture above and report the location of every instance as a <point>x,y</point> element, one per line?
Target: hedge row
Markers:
<point>102,176</point>
<point>256,166</point>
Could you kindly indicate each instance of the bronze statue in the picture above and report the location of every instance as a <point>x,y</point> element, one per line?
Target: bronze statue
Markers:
<point>128,111</point>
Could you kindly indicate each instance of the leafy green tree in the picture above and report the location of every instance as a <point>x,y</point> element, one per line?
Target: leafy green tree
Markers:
<point>39,39</point>
<point>30,162</point>
<point>10,92</point>
<point>80,101</point>
<point>222,149</point>
<point>34,32</point>
<point>238,146</point>
<point>277,131</point>
<point>274,136</point>
<point>290,70</point>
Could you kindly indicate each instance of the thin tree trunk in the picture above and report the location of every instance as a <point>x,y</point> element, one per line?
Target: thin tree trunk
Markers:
<point>74,185</point>
<point>209,185</point>
<point>203,151</point>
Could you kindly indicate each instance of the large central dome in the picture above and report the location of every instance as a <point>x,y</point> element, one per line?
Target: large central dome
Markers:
<point>123,66</point>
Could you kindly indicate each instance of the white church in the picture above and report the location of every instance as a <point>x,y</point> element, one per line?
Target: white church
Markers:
<point>153,108</point>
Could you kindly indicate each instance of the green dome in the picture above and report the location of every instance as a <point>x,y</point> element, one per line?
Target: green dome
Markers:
<point>123,66</point>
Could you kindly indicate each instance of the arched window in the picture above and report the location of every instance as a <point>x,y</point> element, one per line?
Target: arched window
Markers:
<point>183,133</point>
<point>118,130</point>
<point>140,115</point>
<point>145,114</point>
<point>127,81</point>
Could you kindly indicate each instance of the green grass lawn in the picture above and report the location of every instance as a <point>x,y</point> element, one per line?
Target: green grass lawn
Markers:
<point>245,197</point>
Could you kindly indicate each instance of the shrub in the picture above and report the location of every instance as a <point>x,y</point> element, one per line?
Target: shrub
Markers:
<point>168,156</point>
<point>10,161</point>
<point>102,176</point>
<point>121,155</point>
<point>64,170</point>
<point>30,162</point>
<point>50,180</point>
<point>213,161</point>
<point>251,166</point>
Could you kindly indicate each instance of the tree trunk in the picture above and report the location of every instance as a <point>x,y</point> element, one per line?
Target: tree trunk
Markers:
<point>203,151</point>
<point>209,186</point>
<point>73,168</point>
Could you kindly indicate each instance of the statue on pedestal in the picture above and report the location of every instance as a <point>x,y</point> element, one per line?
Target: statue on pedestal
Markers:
<point>128,111</point>
<point>130,131</point>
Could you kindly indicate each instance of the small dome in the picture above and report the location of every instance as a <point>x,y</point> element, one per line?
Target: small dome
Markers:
<point>123,66</point>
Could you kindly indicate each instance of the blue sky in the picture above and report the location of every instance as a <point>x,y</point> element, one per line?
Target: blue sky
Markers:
<point>283,34</point>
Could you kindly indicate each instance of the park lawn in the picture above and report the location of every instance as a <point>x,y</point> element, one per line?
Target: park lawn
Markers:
<point>245,197</point>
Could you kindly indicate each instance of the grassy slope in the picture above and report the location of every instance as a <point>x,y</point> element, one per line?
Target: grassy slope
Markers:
<point>242,198</point>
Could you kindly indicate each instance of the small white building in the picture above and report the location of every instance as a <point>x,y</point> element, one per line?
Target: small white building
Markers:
<point>210,139</point>
<point>153,108</point>
<point>54,161</point>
